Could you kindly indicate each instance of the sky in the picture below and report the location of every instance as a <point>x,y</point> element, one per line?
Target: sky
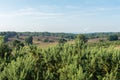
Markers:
<point>81,16</point>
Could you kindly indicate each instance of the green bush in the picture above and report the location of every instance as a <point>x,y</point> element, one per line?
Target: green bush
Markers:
<point>79,61</point>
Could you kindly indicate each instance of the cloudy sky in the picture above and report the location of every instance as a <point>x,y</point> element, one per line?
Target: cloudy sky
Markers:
<point>60,15</point>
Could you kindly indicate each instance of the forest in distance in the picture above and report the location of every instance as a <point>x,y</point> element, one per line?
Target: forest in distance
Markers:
<point>59,56</point>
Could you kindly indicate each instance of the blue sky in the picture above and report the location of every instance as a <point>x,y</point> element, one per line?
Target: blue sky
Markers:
<point>60,15</point>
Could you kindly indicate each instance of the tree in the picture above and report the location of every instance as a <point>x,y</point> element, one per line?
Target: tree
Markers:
<point>4,48</point>
<point>80,41</point>
<point>29,40</point>
<point>6,38</point>
<point>17,44</point>
<point>1,39</point>
<point>81,38</point>
<point>62,41</point>
<point>17,36</point>
<point>113,38</point>
<point>46,40</point>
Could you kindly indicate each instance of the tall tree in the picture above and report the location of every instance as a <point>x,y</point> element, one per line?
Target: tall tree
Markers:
<point>81,38</point>
<point>29,40</point>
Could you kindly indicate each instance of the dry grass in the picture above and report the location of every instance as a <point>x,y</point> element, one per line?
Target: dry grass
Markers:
<point>71,42</point>
<point>96,40</point>
<point>48,44</point>
<point>117,47</point>
<point>44,44</point>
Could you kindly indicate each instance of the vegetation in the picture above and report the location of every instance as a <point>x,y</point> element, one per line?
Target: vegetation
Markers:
<point>17,44</point>
<point>81,38</point>
<point>29,40</point>
<point>62,41</point>
<point>47,40</point>
<point>79,61</point>
<point>45,36</point>
<point>113,37</point>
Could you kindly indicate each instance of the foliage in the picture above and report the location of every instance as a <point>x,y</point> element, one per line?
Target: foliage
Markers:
<point>81,38</point>
<point>47,40</point>
<point>1,39</point>
<point>5,50</point>
<point>79,61</point>
<point>29,40</point>
<point>68,36</point>
<point>62,41</point>
<point>113,38</point>
<point>17,44</point>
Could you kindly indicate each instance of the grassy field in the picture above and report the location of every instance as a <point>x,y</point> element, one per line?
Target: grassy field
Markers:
<point>44,44</point>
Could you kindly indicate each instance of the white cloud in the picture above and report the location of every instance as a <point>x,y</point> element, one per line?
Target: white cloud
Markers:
<point>72,7</point>
<point>26,10</point>
<point>106,8</point>
<point>51,18</point>
<point>8,15</point>
<point>49,7</point>
<point>31,12</point>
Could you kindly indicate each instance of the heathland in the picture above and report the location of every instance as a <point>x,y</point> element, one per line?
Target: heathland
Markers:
<point>59,56</point>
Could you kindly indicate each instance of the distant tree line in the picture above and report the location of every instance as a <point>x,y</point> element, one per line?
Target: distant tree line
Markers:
<point>113,38</point>
<point>43,34</point>
<point>101,34</point>
<point>68,36</point>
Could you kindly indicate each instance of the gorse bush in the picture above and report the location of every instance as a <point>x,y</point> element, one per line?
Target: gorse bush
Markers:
<point>79,61</point>
<point>18,69</point>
